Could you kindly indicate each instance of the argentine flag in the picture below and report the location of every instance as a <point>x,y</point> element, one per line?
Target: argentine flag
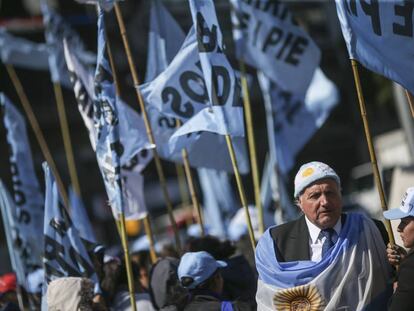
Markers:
<point>354,274</point>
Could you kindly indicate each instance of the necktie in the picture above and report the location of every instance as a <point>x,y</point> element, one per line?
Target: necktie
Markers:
<point>328,243</point>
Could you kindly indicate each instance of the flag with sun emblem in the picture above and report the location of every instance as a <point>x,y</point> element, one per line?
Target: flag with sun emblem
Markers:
<point>354,274</point>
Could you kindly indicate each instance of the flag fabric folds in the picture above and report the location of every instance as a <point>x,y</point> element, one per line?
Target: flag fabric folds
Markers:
<point>16,242</point>
<point>379,35</point>
<point>56,29</point>
<point>294,119</point>
<point>354,275</point>
<point>173,67</point>
<point>136,154</point>
<point>64,252</point>
<point>23,53</point>
<point>218,200</point>
<point>109,147</point>
<point>27,194</point>
<point>268,38</point>
<point>80,217</point>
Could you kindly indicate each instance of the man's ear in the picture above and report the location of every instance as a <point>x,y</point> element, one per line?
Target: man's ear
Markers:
<point>298,203</point>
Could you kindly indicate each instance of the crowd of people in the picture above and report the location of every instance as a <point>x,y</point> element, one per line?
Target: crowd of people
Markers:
<point>324,260</point>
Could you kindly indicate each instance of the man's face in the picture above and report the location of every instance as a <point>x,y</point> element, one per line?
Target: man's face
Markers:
<point>406,230</point>
<point>322,203</point>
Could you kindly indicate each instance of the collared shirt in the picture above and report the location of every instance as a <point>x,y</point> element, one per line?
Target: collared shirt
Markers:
<point>315,242</point>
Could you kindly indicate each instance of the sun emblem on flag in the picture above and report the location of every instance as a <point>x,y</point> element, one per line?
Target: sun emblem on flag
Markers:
<point>299,298</point>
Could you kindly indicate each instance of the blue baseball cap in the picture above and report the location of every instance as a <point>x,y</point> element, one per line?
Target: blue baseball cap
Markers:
<point>405,209</point>
<point>199,266</point>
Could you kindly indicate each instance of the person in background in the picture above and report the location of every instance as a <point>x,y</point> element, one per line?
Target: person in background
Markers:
<point>239,278</point>
<point>165,290</point>
<point>403,297</point>
<point>200,273</point>
<point>70,294</point>
<point>8,296</point>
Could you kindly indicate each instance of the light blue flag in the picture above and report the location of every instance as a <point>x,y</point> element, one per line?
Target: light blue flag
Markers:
<point>108,144</point>
<point>56,29</point>
<point>379,34</point>
<point>64,251</point>
<point>165,38</point>
<point>80,217</point>
<point>23,53</point>
<point>354,274</point>
<point>27,194</point>
<point>19,251</point>
<point>206,149</point>
<point>107,5</point>
<point>218,200</point>
<point>268,38</point>
<point>296,118</point>
<point>224,113</point>
<point>133,136</point>
<point>136,148</point>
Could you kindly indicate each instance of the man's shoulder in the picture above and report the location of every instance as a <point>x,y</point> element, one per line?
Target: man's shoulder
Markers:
<point>287,227</point>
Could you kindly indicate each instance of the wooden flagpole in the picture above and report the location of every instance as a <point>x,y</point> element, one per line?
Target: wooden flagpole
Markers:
<point>151,139</point>
<point>185,201</point>
<point>252,146</point>
<point>37,131</point>
<point>130,276</point>
<point>241,191</point>
<point>64,126</point>
<point>145,220</point>
<point>410,102</point>
<point>371,147</point>
<point>194,198</point>
<point>190,182</point>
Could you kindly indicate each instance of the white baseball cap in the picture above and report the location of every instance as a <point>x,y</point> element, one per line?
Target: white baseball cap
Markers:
<point>311,172</point>
<point>405,209</point>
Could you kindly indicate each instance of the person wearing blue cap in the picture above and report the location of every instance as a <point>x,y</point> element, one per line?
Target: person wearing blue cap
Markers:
<point>322,257</point>
<point>403,296</point>
<point>200,273</point>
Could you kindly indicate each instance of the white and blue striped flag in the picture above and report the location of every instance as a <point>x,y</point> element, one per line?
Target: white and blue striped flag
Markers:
<point>354,274</point>
<point>268,38</point>
<point>379,34</point>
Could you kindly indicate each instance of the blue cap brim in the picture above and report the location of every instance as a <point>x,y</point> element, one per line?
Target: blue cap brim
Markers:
<point>395,213</point>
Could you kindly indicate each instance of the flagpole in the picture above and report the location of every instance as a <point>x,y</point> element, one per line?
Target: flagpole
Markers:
<point>241,190</point>
<point>145,220</point>
<point>181,184</point>
<point>371,147</point>
<point>64,126</point>
<point>190,182</point>
<point>151,139</point>
<point>252,145</point>
<point>130,276</point>
<point>194,198</point>
<point>410,102</point>
<point>37,131</point>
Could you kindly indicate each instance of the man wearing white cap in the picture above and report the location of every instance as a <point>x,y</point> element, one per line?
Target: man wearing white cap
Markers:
<point>403,296</point>
<point>332,260</point>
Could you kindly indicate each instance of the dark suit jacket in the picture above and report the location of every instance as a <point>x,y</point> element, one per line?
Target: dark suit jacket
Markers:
<point>402,300</point>
<point>291,240</point>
